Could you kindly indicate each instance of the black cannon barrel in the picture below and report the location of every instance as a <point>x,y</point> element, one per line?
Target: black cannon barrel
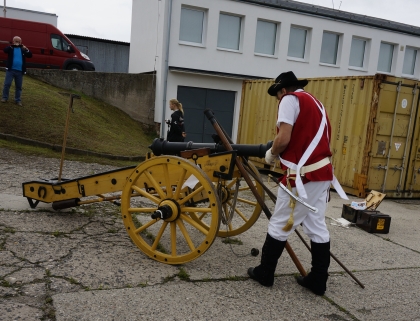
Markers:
<point>163,147</point>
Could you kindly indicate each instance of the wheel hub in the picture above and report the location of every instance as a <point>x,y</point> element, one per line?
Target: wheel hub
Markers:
<point>168,211</point>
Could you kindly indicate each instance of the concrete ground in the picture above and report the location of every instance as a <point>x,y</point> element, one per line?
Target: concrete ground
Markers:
<point>80,264</point>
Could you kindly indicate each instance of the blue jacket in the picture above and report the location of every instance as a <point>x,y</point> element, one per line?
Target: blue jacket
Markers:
<point>10,52</point>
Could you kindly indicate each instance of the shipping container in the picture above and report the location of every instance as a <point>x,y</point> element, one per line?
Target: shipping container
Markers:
<point>375,124</point>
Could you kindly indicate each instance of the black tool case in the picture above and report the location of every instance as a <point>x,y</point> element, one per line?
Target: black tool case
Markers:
<point>373,221</point>
<point>373,200</point>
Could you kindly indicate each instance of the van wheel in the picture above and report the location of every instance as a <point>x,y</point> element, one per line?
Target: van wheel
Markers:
<point>74,67</point>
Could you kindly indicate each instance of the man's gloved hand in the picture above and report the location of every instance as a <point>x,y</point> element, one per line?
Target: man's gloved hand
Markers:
<point>269,157</point>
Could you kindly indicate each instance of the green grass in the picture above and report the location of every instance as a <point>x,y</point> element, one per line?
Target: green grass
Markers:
<point>94,125</point>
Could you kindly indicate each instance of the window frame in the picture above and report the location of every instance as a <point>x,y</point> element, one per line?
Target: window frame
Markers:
<point>63,42</point>
<point>366,53</point>
<point>307,44</point>
<point>391,71</point>
<point>416,63</point>
<point>204,30</point>
<point>241,31</point>
<point>276,39</point>
<point>338,53</point>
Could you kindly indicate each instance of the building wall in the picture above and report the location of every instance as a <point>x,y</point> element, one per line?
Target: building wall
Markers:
<point>30,15</point>
<point>148,51</point>
<point>107,56</point>
<point>245,61</point>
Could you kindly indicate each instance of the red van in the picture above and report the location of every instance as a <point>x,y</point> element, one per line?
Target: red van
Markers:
<point>50,48</point>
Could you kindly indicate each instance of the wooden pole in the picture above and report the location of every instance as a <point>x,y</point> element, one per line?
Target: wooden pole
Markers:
<point>245,175</point>
<point>66,129</point>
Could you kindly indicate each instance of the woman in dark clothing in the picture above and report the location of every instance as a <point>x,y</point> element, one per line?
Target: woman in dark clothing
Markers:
<point>176,132</point>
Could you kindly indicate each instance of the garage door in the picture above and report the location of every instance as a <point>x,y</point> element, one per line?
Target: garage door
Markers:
<point>195,100</point>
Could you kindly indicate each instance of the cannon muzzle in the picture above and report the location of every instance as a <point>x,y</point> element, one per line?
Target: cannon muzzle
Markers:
<point>163,147</point>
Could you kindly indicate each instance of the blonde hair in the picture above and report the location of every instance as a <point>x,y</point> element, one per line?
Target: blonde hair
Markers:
<point>177,104</point>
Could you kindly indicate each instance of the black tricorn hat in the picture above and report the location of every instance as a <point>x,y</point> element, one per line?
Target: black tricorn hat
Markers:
<point>284,80</point>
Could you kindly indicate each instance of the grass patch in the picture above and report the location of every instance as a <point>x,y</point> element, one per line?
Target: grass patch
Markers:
<point>94,125</point>
<point>169,278</point>
<point>9,230</point>
<point>229,240</point>
<point>57,233</point>
<point>183,275</point>
<point>73,281</point>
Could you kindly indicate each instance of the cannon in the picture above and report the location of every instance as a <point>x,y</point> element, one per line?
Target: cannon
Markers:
<point>176,202</point>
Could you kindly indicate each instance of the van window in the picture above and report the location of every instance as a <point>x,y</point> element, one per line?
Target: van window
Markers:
<point>59,42</point>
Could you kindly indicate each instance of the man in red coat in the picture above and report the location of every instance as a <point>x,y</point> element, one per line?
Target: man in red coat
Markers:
<point>302,144</point>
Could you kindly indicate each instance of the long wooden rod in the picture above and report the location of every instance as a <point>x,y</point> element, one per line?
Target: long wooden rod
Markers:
<point>66,129</point>
<point>248,180</point>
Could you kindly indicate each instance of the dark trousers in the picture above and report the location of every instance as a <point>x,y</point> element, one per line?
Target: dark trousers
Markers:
<point>17,75</point>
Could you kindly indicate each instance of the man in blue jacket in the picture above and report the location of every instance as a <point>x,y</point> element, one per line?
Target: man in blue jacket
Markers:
<point>15,69</point>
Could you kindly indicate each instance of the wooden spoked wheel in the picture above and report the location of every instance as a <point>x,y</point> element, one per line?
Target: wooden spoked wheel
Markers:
<point>157,202</point>
<point>240,209</point>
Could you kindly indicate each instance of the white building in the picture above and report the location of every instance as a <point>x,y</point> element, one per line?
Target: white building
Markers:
<point>23,14</point>
<point>201,50</point>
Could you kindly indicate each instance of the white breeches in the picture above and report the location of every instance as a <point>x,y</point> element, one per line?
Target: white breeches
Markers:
<point>313,223</point>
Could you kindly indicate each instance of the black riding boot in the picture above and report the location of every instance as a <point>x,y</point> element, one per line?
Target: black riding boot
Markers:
<point>271,252</point>
<point>316,280</point>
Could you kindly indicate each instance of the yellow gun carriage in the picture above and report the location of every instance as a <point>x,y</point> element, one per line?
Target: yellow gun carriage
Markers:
<point>174,202</point>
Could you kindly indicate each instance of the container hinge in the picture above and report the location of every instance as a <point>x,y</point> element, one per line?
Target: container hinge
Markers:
<point>396,168</point>
<point>399,86</point>
<point>381,167</point>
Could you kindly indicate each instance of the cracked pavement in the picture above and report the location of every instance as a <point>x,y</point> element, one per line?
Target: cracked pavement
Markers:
<point>80,264</point>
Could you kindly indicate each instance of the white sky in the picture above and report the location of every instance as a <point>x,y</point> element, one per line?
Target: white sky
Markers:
<point>112,19</point>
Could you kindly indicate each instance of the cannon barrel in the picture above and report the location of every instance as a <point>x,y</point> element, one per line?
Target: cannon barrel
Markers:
<point>163,147</point>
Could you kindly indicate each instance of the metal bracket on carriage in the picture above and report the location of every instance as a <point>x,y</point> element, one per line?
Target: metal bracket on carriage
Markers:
<point>194,154</point>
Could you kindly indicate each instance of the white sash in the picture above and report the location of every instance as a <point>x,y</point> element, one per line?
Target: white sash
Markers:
<point>314,143</point>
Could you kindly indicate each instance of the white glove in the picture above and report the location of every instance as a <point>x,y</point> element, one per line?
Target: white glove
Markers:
<point>269,157</point>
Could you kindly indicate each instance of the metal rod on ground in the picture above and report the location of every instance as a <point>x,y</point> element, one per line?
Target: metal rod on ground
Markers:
<point>333,256</point>
<point>244,174</point>
<point>274,199</point>
<point>63,149</point>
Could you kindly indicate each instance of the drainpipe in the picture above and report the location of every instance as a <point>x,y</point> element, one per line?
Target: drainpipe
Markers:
<point>165,76</point>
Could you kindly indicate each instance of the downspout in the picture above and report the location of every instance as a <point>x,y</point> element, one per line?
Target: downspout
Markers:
<point>165,77</point>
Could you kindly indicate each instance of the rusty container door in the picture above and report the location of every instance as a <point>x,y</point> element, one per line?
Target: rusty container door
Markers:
<point>393,153</point>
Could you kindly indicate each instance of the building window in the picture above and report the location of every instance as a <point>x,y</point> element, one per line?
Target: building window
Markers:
<point>191,29</point>
<point>229,35</point>
<point>265,40</point>
<point>297,42</point>
<point>357,52</point>
<point>409,61</point>
<point>385,57</point>
<point>329,48</point>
